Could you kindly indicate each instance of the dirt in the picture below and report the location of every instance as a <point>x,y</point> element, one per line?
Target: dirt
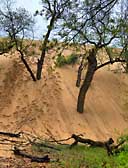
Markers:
<point>50,104</point>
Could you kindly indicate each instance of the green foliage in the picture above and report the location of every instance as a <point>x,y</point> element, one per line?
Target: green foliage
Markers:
<point>125,54</point>
<point>71,59</point>
<point>84,23</point>
<point>123,137</point>
<point>63,60</point>
<point>60,61</point>
<point>122,159</point>
<point>82,156</point>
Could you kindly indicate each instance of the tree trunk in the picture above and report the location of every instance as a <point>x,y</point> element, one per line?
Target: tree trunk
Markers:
<point>92,64</point>
<point>40,65</point>
<point>80,69</point>
<point>28,68</point>
<point>22,58</point>
<point>41,60</point>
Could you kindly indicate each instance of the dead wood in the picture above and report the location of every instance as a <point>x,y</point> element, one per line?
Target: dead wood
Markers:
<point>43,159</point>
<point>107,144</point>
<point>13,135</point>
<point>44,145</point>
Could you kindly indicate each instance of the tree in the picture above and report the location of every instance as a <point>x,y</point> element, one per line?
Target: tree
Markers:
<point>96,23</point>
<point>17,24</point>
<point>53,10</point>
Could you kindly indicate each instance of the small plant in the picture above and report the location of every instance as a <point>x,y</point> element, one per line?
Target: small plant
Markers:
<point>71,59</point>
<point>123,137</point>
<point>60,61</point>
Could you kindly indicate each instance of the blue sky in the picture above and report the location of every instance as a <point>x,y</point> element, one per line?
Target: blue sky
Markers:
<point>32,6</point>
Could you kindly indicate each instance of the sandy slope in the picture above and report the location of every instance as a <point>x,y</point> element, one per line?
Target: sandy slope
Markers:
<point>104,104</point>
<point>50,104</point>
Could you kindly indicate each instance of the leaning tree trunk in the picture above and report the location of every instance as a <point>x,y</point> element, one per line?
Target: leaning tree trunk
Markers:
<point>22,57</point>
<point>40,65</point>
<point>28,68</point>
<point>92,64</point>
<point>44,47</point>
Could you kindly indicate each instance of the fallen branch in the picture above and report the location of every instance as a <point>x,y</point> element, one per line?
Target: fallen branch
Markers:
<point>44,145</point>
<point>43,159</point>
<point>13,135</point>
<point>106,144</point>
<point>62,140</point>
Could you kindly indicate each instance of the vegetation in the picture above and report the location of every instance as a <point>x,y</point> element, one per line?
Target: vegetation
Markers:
<point>58,154</point>
<point>60,61</point>
<point>82,156</point>
<point>52,11</point>
<point>82,22</point>
<point>95,23</point>
<point>63,60</point>
<point>71,59</point>
<point>17,24</point>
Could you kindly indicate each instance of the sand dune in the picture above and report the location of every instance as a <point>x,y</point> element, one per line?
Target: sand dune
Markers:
<point>50,104</point>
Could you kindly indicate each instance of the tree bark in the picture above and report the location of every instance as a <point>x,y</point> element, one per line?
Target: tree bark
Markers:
<point>92,64</point>
<point>111,62</point>
<point>41,60</point>
<point>40,64</point>
<point>107,144</point>
<point>33,158</point>
<point>9,134</point>
<point>28,68</point>
<point>80,69</point>
<point>22,57</point>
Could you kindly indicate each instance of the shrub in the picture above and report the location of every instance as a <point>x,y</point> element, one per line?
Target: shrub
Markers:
<point>60,61</point>
<point>71,59</point>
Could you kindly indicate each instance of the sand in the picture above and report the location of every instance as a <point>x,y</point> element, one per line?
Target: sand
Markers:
<point>50,104</point>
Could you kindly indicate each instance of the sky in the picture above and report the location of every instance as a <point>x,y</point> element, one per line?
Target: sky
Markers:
<point>32,6</point>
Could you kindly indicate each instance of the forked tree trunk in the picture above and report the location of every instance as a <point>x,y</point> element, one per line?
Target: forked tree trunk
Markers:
<point>92,64</point>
